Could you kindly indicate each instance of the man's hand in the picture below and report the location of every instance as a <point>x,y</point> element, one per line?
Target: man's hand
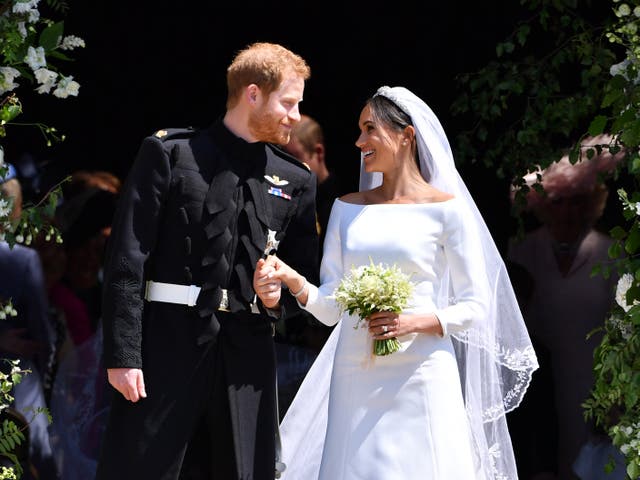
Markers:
<point>267,287</point>
<point>128,381</point>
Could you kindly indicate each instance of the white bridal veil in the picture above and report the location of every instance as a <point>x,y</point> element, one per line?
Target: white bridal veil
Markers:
<point>495,357</point>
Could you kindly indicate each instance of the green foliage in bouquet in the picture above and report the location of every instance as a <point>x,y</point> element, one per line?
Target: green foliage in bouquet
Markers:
<point>375,288</point>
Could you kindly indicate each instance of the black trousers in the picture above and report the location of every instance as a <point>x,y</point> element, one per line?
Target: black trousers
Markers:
<point>210,408</point>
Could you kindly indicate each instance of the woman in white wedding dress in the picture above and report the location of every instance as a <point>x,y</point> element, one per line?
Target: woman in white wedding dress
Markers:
<point>435,408</point>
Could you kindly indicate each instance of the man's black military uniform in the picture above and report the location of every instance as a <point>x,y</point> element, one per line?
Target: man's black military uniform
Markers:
<point>197,209</point>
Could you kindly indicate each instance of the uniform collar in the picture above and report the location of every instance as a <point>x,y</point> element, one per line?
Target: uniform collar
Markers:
<point>233,145</point>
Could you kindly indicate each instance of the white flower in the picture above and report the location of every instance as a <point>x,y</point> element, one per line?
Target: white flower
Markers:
<point>66,86</point>
<point>35,58</point>
<point>46,78</point>
<point>624,283</point>
<point>34,16</point>
<point>636,207</point>
<point>619,68</point>
<point>2,315</point>
<point>22,29</point>
<point>623,326</point>
<point>19,238</point>
<point>624,10</point>
<point>25,6</point>
<point>7,77</point>
<point>5,207</point>
<point>70,42</point>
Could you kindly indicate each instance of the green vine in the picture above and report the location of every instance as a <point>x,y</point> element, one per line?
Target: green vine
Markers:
<point>29,47</point>
<point>565,73</point>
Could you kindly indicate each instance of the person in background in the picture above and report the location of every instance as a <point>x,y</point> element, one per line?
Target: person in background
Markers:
<point>29,336</point>
<point>307,145</point>
<point>566,303</point>
<point>73,269</point>
<point>188,348</point>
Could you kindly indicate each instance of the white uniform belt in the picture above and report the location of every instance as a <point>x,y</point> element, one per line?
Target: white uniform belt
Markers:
<point>171,293</point>
<point>186,295</point>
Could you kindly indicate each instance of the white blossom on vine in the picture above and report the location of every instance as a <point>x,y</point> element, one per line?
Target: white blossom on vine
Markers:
<point>66,87</point>
<point>35,58</point>
<point>22,6</point>
<point>7,79</point>
<point>46,78</point>
<point>624,283</point>
<point>70,42</point>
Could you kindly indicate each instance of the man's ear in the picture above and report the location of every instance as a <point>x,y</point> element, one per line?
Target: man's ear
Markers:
<point>252,93</point>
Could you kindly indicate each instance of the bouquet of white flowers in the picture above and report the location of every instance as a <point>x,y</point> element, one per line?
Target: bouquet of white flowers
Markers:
<point>375,288</point>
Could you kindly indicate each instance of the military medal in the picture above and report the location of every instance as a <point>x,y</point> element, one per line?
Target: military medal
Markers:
<point>279,193</point>
<point>272,244</point>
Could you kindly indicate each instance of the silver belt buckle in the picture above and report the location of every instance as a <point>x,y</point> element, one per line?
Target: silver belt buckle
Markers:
<point>224,301</point>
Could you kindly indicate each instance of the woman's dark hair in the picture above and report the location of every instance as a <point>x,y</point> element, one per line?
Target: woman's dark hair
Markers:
<point>386,112</point>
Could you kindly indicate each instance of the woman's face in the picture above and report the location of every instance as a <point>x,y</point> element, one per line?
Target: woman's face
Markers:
<point>568,216</point>
<point>378,143</point>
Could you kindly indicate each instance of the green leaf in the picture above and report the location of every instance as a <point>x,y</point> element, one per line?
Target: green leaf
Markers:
<point>631,136</point>
<point>634,165</point>
<point>9,112</point>
<point>611,97</point>
<point>51,35</point>
<point>523,33</point>
<point>617,232</point>
<point>59,55</point>
<point>597,125</point>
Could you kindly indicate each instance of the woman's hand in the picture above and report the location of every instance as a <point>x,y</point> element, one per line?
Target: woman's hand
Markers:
<point>271,270</point>
<point>266,285</point>
<point>383,325</point>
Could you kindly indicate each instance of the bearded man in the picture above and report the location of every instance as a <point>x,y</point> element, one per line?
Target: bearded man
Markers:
<point>187,346</point>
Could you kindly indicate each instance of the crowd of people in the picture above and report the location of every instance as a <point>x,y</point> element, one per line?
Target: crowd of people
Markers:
<point>189,307</point>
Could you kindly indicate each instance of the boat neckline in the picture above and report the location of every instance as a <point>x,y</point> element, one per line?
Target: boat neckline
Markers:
<point>394,204</point>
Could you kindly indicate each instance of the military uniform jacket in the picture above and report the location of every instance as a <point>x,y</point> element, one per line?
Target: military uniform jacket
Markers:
<point>197,208</point>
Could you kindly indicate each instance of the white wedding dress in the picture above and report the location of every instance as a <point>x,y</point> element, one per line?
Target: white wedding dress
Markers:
<point>400,416</point>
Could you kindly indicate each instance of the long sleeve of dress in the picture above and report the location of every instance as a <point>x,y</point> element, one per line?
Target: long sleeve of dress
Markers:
<point>467,275</point>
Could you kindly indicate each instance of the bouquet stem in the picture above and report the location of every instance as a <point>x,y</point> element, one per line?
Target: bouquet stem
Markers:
<point>386,346</point>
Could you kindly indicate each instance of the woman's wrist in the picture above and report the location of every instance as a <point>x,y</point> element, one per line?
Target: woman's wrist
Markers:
<point>299,286</point>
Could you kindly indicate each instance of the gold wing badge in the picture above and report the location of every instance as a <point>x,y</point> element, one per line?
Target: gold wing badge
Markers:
<point>276,180</point>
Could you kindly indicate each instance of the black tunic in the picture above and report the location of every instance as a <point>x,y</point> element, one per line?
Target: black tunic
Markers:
<point>195,209</point>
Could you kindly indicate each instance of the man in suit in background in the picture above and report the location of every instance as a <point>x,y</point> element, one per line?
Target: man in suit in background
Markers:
<point>186,342</point>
